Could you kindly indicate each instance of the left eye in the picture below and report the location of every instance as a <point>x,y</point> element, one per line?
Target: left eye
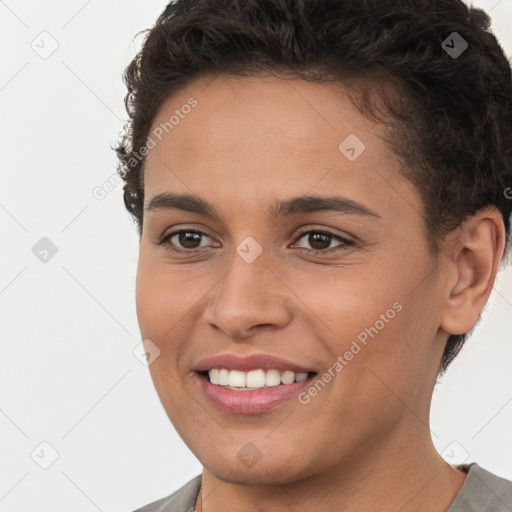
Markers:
<point>321,240</point>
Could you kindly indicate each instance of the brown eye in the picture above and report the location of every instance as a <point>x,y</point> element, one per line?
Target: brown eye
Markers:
<point>188,239</point>
<point>320,241</point>
<point>184,240</point>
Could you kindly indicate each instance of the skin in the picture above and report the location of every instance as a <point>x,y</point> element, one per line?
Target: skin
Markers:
<point>249,142</point>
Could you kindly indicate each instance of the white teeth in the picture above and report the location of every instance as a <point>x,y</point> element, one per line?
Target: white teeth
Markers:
<point>237,379</point>
<point>223,377</point>
<point>214,376</point>
<point>255,379</point>
<point>287,377</point>
<point>273,378</point>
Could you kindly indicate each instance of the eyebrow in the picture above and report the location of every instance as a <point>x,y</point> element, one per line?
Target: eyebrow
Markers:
<point>296,205</point>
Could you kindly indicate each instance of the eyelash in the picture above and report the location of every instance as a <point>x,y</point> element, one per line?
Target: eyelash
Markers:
<point>346,243</point>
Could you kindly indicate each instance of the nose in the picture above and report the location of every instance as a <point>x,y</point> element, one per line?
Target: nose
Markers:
<point>250,297</point>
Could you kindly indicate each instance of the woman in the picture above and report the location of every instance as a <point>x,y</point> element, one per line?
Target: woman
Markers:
<point>320,189</point>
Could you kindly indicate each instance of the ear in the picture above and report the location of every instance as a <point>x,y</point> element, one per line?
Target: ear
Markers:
<point>475,256</point>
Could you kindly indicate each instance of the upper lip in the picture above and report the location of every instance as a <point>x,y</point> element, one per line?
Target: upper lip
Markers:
<point>252,362</point>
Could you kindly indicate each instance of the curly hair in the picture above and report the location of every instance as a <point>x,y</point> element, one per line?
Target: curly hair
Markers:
<point>441,75</point>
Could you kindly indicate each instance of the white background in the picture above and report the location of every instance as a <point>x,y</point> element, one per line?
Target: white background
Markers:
<point>68,326</point>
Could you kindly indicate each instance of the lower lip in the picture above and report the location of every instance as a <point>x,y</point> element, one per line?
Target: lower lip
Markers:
<point>251,402</point>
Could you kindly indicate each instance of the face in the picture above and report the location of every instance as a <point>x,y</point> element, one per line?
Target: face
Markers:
<point>304,251</point>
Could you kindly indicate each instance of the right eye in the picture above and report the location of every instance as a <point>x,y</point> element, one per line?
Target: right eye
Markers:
<point>183,240</point>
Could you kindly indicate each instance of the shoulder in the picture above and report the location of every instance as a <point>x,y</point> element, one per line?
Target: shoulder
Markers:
<point>483,490</point>
<point>179,501</point>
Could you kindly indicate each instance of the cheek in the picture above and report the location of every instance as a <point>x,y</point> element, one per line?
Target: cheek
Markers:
<point>161,312</point>
<point>379,321</point>
<point>342,303</point>
<point>147,294</point>
<point>164,296</point>
<point>385,374</point>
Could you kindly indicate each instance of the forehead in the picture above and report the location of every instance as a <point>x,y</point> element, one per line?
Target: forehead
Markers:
<point>247,137</point>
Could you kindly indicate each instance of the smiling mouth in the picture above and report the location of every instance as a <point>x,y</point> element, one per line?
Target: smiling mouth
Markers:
<point>253,380</point>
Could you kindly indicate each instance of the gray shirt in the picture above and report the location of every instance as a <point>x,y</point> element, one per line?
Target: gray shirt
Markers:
<point>482,491</point>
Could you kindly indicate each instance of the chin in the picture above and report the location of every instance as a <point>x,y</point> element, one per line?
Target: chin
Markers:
<point>263,472</point>
<point>265,476</point>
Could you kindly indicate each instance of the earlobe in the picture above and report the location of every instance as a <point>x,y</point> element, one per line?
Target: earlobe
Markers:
<point>479,248</point>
